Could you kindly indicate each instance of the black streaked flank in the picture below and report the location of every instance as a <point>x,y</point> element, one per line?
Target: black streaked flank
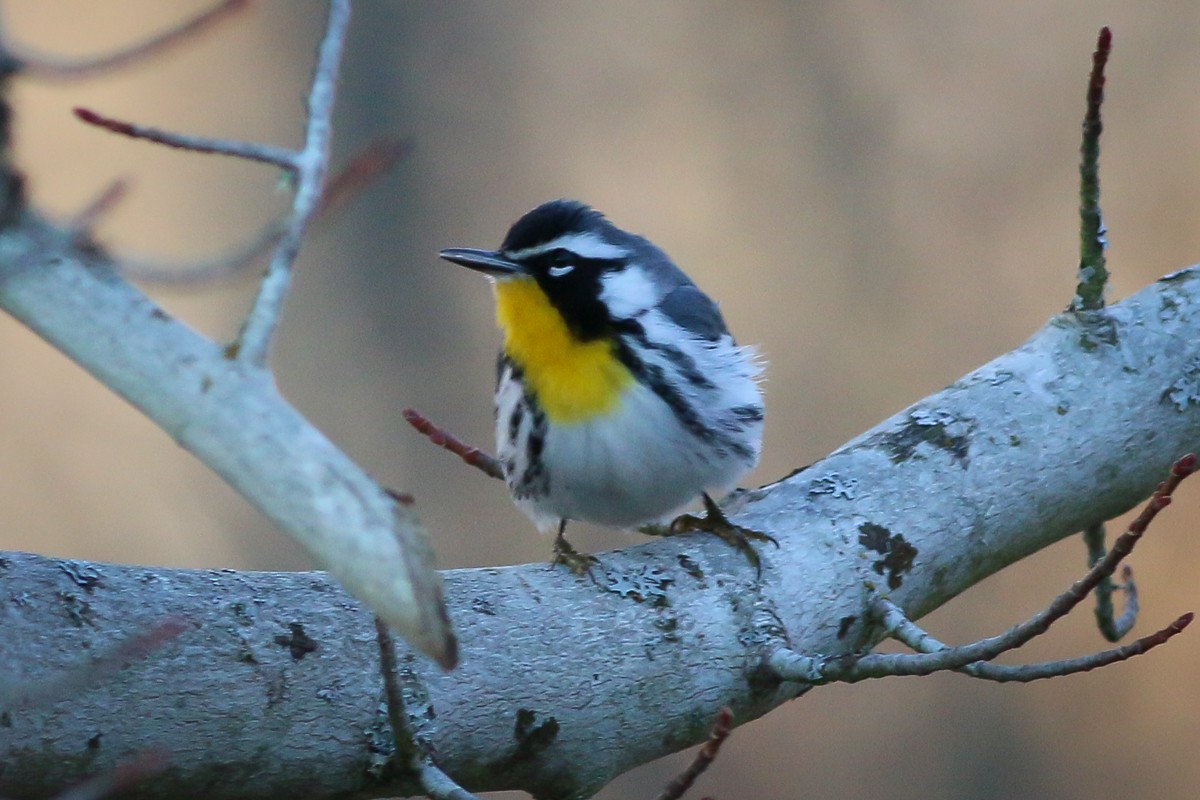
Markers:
<point>514,421</point>
<point>533,482</point>
<point>502,361</point>
<point>653,378</point>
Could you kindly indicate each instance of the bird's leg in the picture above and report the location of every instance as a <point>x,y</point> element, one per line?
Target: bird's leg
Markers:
<point>715,522</point>
<point>564,553</point>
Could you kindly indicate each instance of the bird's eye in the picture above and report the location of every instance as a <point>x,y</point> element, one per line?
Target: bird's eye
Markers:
<point>562,264</point>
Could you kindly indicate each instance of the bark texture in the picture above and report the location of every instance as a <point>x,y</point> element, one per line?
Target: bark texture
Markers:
<point>566,682</point>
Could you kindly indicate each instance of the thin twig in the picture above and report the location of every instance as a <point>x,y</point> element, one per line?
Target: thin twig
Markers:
<point>473,456</point>
<point>1071,666</point>
<point>406,752</point>
<point>1018,635</point>
<point>312,164</point>
<point>703,760</point>
<point>206,271</point>
<point>122,778</point>
<point>54,68</point>
<point>80,226</point>
<point>852,668</point>
<point>1111,629</point>
<point>371,162</point>
<point>908,632</point>
<point>251,151</point>
<point>377,158</point>
<point>1093,239</point>
<point>409,755</point>
<point>69,682</point>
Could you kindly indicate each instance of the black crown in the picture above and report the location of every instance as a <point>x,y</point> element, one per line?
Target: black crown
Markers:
<point>551,220</point>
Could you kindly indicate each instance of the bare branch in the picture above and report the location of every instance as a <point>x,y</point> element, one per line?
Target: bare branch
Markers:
<point>485,463</point>
<point>703,760</point>
<point>1093,274</point>
<point>208,270</point>
<point>372,161</point>
<point>50,67</point>
<point>1072,666</point>
<point>122,778</point>
<point>66,684</point>
<point>1111,629</point>
<point>905,630</point>
<point>251,151</point>
<point>408,753</point>
<point>330,506</point>
<point>854,667</point>
<point>312,164</point>
<point>81,224</point>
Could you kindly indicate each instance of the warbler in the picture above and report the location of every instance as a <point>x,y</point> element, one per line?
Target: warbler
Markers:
<point>621,396</point>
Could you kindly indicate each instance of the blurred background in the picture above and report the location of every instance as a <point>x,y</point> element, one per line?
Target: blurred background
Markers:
<point>881,195</point>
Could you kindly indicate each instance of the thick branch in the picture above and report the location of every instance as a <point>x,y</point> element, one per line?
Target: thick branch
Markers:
<point>565,682</point>
<point>222,404</point>
<point>231,416</point>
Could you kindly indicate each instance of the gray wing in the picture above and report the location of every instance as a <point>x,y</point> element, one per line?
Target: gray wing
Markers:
<point>682,302</point>
<point>692,310</point>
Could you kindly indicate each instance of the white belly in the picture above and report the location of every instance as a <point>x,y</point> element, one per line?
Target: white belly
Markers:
<point>631,467</point>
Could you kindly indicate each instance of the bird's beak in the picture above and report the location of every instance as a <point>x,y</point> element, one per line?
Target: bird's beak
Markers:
<point>488,262</point>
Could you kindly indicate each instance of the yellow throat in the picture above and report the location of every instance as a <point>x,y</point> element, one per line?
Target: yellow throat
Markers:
<point>572,380</point>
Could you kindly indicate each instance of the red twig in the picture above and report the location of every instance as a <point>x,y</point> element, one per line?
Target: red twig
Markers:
<point>1095,91</point>
<point>44,66</point>
<point>69,682</point>
<point>120,779</point>
<point>703,760</point>
<point>372,161</point>
<point>471,455</point>
<point>251,151</point>
<point>82,223</point>
<point>1093,272</point>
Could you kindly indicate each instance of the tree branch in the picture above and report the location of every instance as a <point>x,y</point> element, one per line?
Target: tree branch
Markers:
<point>905,630</point>
<point>312,162</point>
<point>222,403</point>
<point>565,683</point>
<point>1111,628</point>
<point>54,68</point>
<point>1093,273</point>
<point>857,667</point>
<point>250,151</point>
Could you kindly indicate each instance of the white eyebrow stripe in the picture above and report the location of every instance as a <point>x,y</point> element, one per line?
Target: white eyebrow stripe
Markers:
<point>585,245</point>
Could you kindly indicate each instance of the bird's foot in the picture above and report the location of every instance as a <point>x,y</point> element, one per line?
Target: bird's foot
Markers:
<point>579,563</point>
<point>715,522</point>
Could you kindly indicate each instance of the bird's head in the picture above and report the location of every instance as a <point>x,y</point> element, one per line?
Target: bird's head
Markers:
<point>596,276</point>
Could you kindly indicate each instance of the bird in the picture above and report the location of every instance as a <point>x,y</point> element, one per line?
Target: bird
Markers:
<point>621,397</point>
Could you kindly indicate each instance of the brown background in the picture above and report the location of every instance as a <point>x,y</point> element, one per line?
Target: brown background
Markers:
<point>881,195</point>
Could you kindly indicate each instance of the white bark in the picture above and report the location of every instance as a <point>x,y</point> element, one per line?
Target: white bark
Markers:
<point>229,414</point>
<point>564,682</point>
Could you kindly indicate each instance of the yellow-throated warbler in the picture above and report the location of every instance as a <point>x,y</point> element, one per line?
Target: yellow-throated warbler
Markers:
<point>621,396</point>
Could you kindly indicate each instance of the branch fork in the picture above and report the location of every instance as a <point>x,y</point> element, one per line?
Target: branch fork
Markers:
<point>972,659</point>
<point>221,403</point>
